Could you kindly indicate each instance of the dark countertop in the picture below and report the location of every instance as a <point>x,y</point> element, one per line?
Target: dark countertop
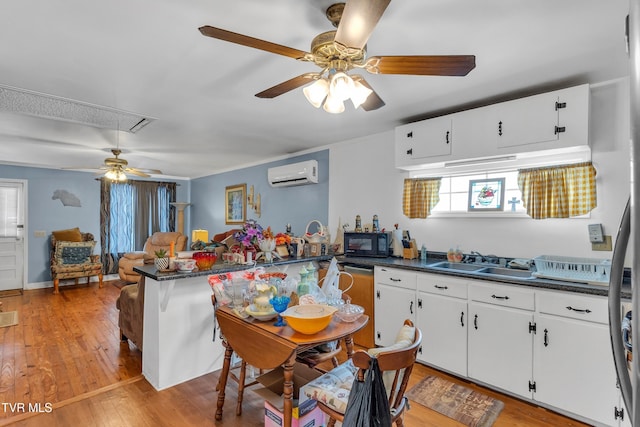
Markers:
<point>149,270</point>
<point>539,283</point>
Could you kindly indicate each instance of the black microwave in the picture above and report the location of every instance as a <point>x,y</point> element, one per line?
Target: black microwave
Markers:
<point>367,244</point>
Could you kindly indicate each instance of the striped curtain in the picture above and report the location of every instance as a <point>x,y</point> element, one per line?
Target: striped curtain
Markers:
<point>559,191</point>
<point>420,196</point>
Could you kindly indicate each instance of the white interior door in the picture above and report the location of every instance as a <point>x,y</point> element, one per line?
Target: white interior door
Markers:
<point>11,235</point>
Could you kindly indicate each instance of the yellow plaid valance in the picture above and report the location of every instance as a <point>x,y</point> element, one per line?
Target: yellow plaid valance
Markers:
<point>420,196</point>
<point>558,191</point>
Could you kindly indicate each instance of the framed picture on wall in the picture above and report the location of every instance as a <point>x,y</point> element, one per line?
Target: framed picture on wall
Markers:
<point>486,195</point>
<point>235,202</point>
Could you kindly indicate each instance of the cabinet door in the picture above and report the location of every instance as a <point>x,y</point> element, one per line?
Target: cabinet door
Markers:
<point>500,347</point>
<point>443,322</point>
<point>525,121</point>
<point>422,140</point>
<point>392,307</point>
<point>573,367</point>
<point>361,293</point>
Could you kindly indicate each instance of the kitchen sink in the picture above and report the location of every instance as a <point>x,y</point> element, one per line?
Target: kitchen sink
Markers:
<point>457,266</point>
<point>483,269</point>
<point>500,271</point>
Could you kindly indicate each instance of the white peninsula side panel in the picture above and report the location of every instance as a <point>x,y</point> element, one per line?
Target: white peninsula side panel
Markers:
<point>178,339</point>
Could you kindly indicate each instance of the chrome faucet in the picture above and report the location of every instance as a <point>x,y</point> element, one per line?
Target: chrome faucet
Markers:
<point>493,259</point>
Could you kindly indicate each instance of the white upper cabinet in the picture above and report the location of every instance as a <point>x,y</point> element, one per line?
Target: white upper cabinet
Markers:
<point>417,142</point>
<point>525,121</point>
<point>549,121</point>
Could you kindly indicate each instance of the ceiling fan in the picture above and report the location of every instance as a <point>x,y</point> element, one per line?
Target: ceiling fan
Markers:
<point>339,51</point>
<point>116,168</point>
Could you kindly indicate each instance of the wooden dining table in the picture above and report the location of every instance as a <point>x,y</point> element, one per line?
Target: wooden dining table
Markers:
<point>266,346</point>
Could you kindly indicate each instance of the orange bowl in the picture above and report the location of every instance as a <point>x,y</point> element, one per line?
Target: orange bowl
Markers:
<point>309,318</point>
<point>205,260</point>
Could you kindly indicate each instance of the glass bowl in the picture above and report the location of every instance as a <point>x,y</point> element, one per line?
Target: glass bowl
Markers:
<point>205,260</point>
<point>349,312</point>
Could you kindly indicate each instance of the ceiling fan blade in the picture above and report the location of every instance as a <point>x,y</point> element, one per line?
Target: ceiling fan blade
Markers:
<point>434,65</point>
<point>220,34</point>
<point>287,86</point>
<point>373,101</point>
<point>359,18</point>
<point>136,172</point>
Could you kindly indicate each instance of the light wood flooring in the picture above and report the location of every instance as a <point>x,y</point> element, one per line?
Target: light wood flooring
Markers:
<point>65,358</point>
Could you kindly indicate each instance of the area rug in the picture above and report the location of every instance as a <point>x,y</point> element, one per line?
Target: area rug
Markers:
<point>8,318</point>
<point>460,403</point>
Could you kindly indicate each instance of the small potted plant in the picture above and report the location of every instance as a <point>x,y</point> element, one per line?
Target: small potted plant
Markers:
<point>161,260</point>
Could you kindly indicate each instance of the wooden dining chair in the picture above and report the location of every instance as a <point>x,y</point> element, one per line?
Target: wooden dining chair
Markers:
<point>396,365</point>
<point>238,374</point>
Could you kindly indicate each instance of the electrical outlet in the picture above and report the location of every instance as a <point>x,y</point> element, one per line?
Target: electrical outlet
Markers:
<point>39,233</point>
<point>604,246</point>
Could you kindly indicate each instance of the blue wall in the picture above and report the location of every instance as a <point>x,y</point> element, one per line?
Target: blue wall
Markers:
<point>280,206</point>
<point>293,205</point>
<point>46,214</point>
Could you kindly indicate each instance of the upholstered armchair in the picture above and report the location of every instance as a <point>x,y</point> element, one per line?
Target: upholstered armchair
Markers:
<point>72,257</point>
<point>159,240</point>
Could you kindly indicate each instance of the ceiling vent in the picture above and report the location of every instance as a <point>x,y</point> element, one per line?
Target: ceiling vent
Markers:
<point>22,101</point>
<point>293,174</point>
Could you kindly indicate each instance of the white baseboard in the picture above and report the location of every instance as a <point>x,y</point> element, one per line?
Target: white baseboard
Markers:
<point>67,282</point>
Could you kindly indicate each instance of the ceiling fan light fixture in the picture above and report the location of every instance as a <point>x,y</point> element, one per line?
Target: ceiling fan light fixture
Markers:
<point>333,104</point>
<point>359,94</point>
<point>116,175</point>
<point>317,92</point>
<point>341,86</point>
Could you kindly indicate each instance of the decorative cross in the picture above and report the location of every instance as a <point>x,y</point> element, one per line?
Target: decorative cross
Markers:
<point>513,202</point>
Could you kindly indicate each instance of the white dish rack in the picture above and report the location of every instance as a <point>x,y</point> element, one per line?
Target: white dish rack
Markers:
<point>573,269</point>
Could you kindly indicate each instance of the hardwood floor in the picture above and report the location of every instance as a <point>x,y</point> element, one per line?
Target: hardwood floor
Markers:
<point>65,358</point>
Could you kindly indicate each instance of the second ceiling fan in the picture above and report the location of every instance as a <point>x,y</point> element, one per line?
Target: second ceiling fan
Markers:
<point>340,51</point>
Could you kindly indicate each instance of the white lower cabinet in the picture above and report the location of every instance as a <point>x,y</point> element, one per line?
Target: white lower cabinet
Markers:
<point>548,347</point>
<point>395,301</point>
<point>442,318</point>
<point>500,342</point>
<point>573,365</point>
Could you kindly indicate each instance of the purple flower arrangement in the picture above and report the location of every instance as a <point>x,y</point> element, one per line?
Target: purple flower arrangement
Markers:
<point>250,235</point>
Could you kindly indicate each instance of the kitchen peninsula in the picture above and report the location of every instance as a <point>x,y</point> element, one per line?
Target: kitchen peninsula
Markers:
<point>179,337</point>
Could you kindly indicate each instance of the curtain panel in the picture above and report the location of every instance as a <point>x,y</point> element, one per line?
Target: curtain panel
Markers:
<point>558,191</point>
<point>420,196</point>
<point>129,213</point>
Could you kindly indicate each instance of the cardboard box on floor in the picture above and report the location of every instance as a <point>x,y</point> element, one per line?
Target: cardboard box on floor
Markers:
<point>305,411</point>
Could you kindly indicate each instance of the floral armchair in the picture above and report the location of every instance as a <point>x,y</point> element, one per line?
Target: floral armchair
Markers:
<point>72,257</point>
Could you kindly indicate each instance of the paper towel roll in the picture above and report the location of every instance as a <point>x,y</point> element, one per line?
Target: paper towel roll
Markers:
<point>396,244</point>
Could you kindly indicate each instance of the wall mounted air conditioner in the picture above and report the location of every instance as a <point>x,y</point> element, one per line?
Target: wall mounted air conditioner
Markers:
<point>293,174</point>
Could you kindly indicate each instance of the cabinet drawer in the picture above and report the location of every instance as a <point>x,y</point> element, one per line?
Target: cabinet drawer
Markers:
<point>507,296</point>
<point>442,285</point>
<point>583,307</point>
<point>394,277</point>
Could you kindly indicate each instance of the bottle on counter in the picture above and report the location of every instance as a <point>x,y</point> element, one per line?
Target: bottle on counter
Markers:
<point>376,224</point>
<point>358,228</point>
<point>303,284</point>
<point>423,254</point>
<point>312,274</point>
